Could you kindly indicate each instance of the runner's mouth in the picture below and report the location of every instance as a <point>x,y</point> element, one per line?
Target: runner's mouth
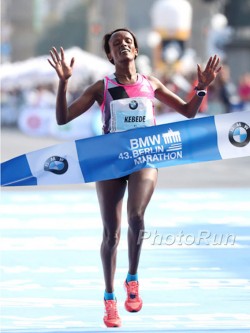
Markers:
<point>124,51</point>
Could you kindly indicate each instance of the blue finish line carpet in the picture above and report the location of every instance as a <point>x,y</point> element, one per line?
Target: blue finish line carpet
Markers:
<point>194,270</point>
<point>119,154</point>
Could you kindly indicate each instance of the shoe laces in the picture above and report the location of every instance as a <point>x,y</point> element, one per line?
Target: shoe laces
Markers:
<point>111,309</point>
<point>133,289</point>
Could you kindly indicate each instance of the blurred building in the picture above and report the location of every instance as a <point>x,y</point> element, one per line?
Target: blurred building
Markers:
<point>104,16</point>
<point>238,48</point>
<point>17,18</point>
<point>24,21</point>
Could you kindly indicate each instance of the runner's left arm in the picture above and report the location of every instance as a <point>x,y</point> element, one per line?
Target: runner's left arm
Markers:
<point>188,109</point>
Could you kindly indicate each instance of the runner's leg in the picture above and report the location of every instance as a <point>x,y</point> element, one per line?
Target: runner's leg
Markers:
<point>141,186</point>
<point>110,195</point>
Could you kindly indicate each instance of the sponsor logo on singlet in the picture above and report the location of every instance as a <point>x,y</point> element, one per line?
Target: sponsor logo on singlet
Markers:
<point>133,105</point>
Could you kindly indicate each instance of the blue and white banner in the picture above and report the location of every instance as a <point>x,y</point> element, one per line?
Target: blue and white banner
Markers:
<point>118,154</point>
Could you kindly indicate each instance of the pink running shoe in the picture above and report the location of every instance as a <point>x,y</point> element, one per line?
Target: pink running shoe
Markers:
<point>133,302</point>
<point>111,317</point>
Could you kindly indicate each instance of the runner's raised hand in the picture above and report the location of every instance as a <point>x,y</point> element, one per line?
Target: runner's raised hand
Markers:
<point>210,72</point>
<point>64,71</point>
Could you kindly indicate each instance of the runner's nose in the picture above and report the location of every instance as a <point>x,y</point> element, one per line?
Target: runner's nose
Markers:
<point>123,42</point>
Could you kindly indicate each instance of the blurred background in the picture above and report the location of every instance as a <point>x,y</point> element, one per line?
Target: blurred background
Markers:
<point>173,37</point>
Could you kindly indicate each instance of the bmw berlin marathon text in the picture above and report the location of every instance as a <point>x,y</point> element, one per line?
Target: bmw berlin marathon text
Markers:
<point>155,148</point>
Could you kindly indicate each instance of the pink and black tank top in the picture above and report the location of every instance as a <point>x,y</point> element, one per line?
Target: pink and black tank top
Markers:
<point>127,105</point>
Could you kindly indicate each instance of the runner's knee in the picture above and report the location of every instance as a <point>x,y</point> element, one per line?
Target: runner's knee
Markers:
<point>136,221</point>
<point>111,238</point>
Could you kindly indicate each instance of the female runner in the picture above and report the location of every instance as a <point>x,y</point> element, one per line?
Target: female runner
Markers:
<point>121,48</point>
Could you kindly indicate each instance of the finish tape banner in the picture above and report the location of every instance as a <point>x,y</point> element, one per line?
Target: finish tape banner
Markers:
<point>118,154</point>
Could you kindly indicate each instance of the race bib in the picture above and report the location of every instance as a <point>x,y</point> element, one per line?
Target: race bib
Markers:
<point>129,113</point>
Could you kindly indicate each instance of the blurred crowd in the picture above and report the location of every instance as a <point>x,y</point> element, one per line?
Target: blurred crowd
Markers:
<point>33,110</point>
<point>223,95</point>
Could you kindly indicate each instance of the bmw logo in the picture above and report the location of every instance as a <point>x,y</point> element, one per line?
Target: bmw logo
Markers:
<point>239,134</point>
<point>133,105</point>
<point>56,164</point>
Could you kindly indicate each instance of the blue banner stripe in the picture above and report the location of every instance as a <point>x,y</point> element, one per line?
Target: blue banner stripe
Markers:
<point>119,154</point>
<point>30,181</point>
<point>16,172</point>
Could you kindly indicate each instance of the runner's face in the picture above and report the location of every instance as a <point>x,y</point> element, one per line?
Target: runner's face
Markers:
<point>122,47</point>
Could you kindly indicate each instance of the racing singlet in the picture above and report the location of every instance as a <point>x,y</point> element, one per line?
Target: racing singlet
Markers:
<point>127,106</point>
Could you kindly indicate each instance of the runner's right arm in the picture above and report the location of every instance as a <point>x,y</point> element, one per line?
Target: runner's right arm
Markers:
<point>93,93</point>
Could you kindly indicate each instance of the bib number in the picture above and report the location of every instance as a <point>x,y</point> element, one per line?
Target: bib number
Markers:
<point>129,113</point>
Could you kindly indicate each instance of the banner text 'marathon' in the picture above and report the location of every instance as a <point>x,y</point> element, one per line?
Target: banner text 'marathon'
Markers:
<point>158,157</point>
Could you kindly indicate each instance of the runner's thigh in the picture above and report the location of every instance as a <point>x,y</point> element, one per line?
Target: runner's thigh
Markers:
<point>141,185</point>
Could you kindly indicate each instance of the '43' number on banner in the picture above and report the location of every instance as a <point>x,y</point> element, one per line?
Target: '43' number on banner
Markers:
<point>124,156</point>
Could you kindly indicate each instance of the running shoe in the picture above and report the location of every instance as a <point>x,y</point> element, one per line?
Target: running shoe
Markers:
<point>111,317</point>
<point>133,302</point>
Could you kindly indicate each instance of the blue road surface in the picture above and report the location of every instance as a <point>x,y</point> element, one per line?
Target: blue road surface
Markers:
<point>194,270</point>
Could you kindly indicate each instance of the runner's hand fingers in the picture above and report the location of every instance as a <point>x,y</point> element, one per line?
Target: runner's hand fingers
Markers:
<point>56,53</point>
<point>51,63</point>
<point>53,56</point>
<point>72,62</point>
<point>62,53</point>
<point>216,64</point>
